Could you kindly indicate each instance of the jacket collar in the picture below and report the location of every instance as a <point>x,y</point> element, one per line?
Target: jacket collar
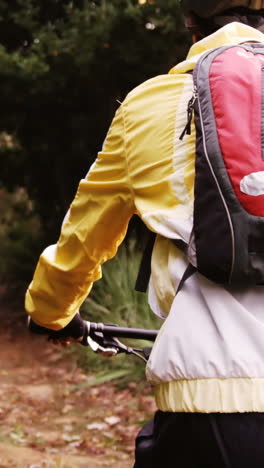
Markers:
<point>232,33</point>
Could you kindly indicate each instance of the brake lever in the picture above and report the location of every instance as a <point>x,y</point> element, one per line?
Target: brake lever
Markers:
<point>97,348</point>
<point>107,346</point>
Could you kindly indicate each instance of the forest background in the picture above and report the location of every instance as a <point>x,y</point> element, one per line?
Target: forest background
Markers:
<point>64,66</point>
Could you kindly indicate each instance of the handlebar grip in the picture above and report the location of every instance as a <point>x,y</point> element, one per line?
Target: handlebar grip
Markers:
<point>84,341</point>
<point>76,329</point>
<point>37,329</point>
<point>122,332</point>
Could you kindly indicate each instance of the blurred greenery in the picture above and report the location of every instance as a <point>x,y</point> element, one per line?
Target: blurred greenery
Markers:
<point>64,64</point>
<point>20,240</point>
<point>114,300</point>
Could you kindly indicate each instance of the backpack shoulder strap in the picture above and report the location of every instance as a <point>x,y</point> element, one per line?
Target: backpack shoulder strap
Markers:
<point>190,270</point>
<point>145,265</point>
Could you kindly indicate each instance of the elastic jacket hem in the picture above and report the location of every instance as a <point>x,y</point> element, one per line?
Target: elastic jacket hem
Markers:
<point>230,395</point>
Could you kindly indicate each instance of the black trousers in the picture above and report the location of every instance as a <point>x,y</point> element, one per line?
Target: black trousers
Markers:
<point>197,440</point>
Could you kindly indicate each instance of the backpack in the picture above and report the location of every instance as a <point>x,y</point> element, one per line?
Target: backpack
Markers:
<point>227,241</point>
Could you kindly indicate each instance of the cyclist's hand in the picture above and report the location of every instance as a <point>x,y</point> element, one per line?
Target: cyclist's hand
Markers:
<point>73,332</point>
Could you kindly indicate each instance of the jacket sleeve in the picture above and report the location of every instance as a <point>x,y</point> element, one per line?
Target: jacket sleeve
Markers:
<point>95,225</point>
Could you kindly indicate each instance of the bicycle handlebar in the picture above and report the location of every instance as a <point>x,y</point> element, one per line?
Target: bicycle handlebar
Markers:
<point>121,332</point>
<point>103,338</point>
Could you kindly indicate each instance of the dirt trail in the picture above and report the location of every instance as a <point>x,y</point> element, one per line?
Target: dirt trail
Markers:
<point>47,419</point>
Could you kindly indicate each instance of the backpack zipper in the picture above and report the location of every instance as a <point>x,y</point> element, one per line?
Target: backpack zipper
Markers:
<point>190,108</point>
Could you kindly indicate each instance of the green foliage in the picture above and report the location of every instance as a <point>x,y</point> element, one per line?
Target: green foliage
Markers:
<point>114,300</point>
<point>19,239</point>
<point>63,65</point>
<point>114,297</point>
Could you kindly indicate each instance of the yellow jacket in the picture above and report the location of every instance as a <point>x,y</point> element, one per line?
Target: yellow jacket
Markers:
<point>143,169</point>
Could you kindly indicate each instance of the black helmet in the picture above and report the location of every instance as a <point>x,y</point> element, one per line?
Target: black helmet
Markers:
<point>208,8</point>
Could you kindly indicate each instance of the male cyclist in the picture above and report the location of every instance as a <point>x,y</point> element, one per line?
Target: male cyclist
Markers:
<point>207,363</point>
